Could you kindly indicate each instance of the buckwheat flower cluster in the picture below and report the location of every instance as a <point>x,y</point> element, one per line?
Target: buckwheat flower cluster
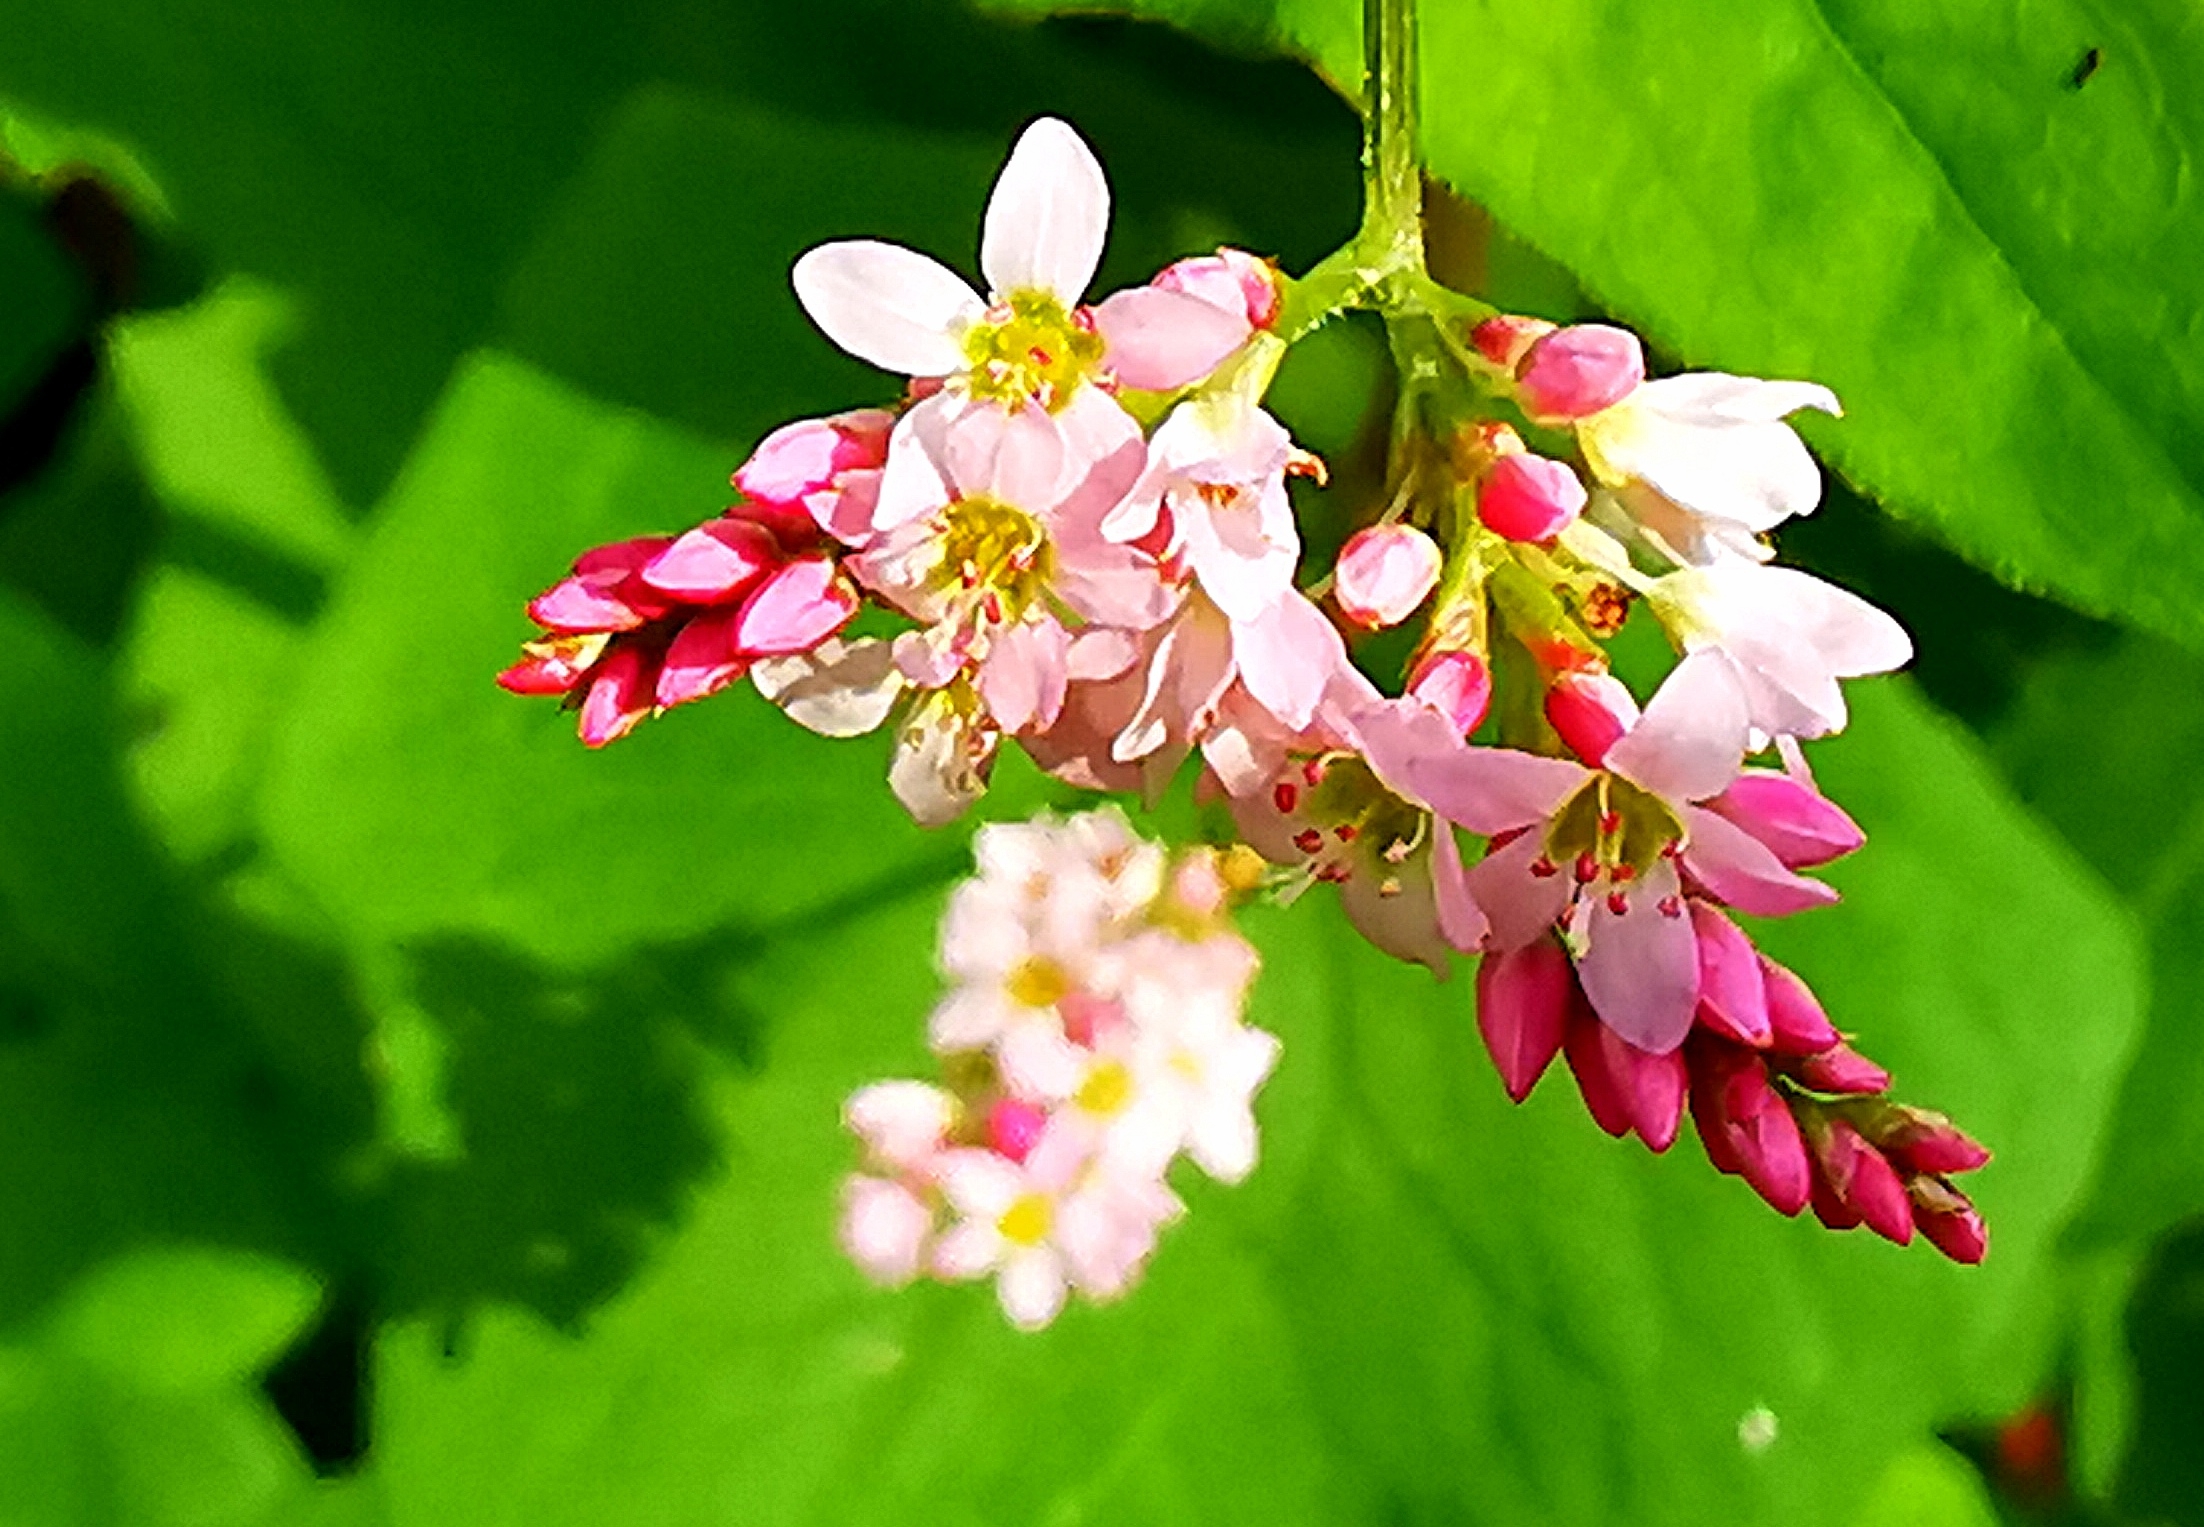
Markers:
<point>1092,1034</point>
<point>1074,529</point>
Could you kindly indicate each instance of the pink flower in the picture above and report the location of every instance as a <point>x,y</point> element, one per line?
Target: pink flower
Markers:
<point>1578,371</point>
<point>1527,497</point>
<point>1383,573</point>
<point>820,472</point>
<point>1712,445</point>
<point>1231,280</point>
<point>1603,852</point>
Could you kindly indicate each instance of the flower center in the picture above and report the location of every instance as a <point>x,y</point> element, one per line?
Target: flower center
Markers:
<point>1027,348</point>
<point>1026,1222</point>
<point>1355,822</point>
<point>1612,831</point>
<point>997,554</point>
<point>1036,982</point>
<point>1107,1089</point>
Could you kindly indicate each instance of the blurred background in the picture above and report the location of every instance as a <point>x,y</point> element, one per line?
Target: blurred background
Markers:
<point>409,1117</point>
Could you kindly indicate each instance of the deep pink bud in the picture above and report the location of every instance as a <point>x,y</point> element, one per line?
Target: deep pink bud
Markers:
<point>1831,1210</point>
<point>797,608</point>
<point>1862,1180</point>
<point>1927,1141</point>
<point>1842,1069</point>
<point>621,694</point>
<point>801,459</point>
<point>1503,340</point>
<point>1604,1097</point>
<point>1620,1082</point>
<point>1948,1218</point>
<point>1796,1023</point>
<point>1591,711</point>
<point>1800,825</point>
<point>1457,685</point>
<point>1384,572</point>
<point>553,665</point>
<point>1747,1126</point>
<point>1013,1127</point>
<point>719,561</point>
<point>1524,997</point>
<point>1527,497</point>
<point>1231,279</point>
<point>1579,370</point>
<point>702,660</point>
<point>1733,998</point>
<point>605,592</point>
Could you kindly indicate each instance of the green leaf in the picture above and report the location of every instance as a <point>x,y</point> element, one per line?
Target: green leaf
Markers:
<point>1993,269</point>
<point>1426,1305</point>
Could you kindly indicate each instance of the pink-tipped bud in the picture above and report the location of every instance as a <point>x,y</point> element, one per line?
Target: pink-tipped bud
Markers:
<point>622,692</point>
<point>1747,1126</point>
<point>1384,572</point>
<point>1014,1127</point>
<point>1524,997</point>
<point>1796,1023</point>
<point>1591,711</point>
<point>1927,1141</point>
<point>1231,279</point>
<point>605,592</point>
<point>1604,1096</point>
<point>1505,339</point>
<point>801,459</point>
<point>1457,685</point>
<point>1800,826</point>
<point>1528,497</point>
<point>794,610</point>
<point>1733,998</point>
<point>1862,1180</point>
<point>719,561</point>
<point>1578,371</point>
<point>1842,1069</point>
<point>1949,1219</point>
<point>702,660</point>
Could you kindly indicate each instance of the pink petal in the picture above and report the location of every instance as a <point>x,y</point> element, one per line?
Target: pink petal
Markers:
<point>1024,675</point>
<point>1520,905</point>
<point>1803,827</point>
<point>1796,1023</point>
<point>719,560</point>
<point>888,305</point>
<point>1160,341</point>
<point>1691,740</point>
<point>796,609</point>
<point>1490,790</point>
<point>1640,970</point>
<point>1733,1000</point>
<point>803,458</point>
<point>1524,997</point>
<point>1460,922</point>
<point>1579,370</point>
<point>1047,216</point>
<point>1287,657</point>
<point>1843,1070</point>
<point>1740,870</point>
<point>702,660</point>
<point>1383,573</point>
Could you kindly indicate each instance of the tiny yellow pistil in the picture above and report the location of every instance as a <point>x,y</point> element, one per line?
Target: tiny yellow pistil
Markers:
<point>994,553</point>
<point>1026,1222</point>
<point>1107,1089</point>
<point>1037,982</point>
<point>1027,348</point>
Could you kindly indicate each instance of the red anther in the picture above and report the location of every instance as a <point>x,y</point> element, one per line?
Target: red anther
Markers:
<point>1308,840</point>
<point>1312,770</point>
<point>1285,796</point>
<point>1617,903</point>
<point>1333,872</point>
<point>1587,869</point>
<point>1544,868</point>
<point>1038,356</point>
<point>1082,319</point>
<point>1623,874</point>
<point>969,575</point>
<point>1671,906</point>
<point>1671,849</point>
<point>993,605</point>
<point>1346,832</point>
<point>1610,822</point>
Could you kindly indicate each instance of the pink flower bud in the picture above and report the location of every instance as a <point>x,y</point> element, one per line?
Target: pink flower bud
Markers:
<point>1014,1127</point>
<point>621,695</point>
<point>1457,685</point>
<point>799,460</point>
<point>1746,1125</point>
<point>1927,1141</point>
<point>605,592</point>
<point>1948,1218</point>
<point>797,608</point>
<point>1591,711</point>
<point>1831,1210</point>
<point>1862,1181</point>
<point>1625,1085</point>
<point>1604,1096</point>
<point>701,660</point>
<point>1524,998</point>
<point>1799,824</point>
<point>1231,279</point>
<point>1384,572</point>
<point>720,560</point>
<point>1578,371</point>
<point>1842,1069</point>
<point>1733,998</point>
<point>1503,340</point>
<point>1796,1023</point>
<point>1527,497</point>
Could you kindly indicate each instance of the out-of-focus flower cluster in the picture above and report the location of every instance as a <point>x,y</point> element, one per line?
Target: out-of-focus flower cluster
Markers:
<point>1092,1032</point>
<point>1076,534</point>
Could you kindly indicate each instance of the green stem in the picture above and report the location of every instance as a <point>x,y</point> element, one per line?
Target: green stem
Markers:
<point>1390,244</point>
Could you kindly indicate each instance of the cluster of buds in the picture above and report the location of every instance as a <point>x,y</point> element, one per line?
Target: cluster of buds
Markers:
<point>1076,520</point>
<point>1091,1034</point>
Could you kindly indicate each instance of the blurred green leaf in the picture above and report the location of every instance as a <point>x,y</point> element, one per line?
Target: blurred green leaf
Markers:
<point>1930,1486</point>
<point>1912,204</point>
<point>1390,1320</point>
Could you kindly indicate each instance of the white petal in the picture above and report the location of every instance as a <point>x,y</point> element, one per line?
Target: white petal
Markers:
<point>1690,742</point>
<point>1031,1288</point>
<point>915,482</point>
<point>886,304</point>
<point>1047,217</point>
<point>842,689</point>
<point>1710,396</point>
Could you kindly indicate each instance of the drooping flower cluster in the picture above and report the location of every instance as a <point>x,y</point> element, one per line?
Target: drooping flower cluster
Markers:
<point>1077,530</point>
<point>1091,1034</point>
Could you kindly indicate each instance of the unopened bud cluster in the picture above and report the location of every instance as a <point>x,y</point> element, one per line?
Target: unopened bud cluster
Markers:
<point>1076,528</point>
